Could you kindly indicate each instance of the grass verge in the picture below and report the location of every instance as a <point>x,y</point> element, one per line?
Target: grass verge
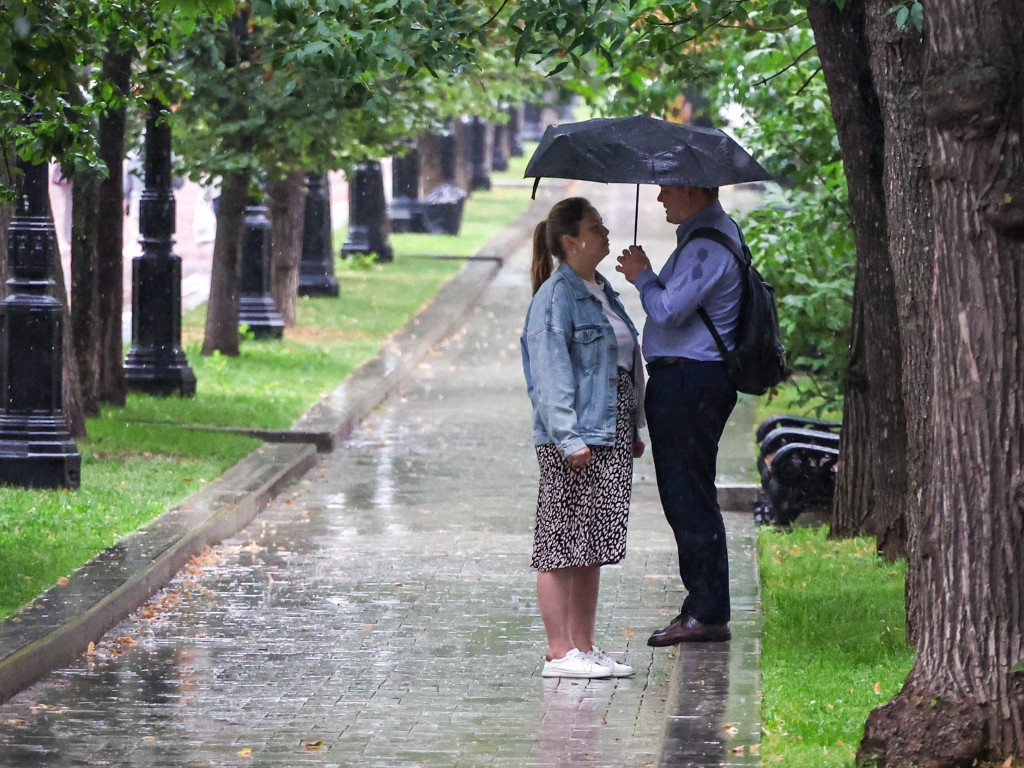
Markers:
<point>140,460</point>
<point>833,647</point>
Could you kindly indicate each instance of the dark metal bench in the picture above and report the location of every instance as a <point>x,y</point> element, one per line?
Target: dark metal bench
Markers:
<point>797,460</point>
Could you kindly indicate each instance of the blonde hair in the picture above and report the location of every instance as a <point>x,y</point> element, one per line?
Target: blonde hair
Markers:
<point>563,219</point>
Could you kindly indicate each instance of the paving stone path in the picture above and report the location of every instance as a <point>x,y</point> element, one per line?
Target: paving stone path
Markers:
<point>381,611</point>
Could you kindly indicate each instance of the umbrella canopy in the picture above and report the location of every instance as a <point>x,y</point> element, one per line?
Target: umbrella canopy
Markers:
<point>642,150</point>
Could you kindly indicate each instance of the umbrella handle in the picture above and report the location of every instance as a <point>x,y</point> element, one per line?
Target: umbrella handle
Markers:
<point>636,214</point>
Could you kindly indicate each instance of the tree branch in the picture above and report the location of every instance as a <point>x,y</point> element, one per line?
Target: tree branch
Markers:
<point>793,63</point>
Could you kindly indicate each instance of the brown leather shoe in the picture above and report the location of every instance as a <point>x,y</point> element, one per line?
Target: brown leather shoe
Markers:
<point>687,629</point>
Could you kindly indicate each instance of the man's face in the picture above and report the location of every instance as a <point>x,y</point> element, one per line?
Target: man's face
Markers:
<point>680,203</point>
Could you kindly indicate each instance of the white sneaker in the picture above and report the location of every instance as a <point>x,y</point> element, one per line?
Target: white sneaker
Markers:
<point>602,659</point>
<point>574,664</point>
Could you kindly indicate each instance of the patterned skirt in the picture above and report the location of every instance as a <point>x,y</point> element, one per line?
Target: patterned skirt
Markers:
<point>582,513</point>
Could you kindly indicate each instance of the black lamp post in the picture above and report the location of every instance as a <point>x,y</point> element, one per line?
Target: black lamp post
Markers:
<point>156,363</point>
<point>406,209</point>
<point>532,128</point>
<point>481,176</point>
<point>499,152</point>
<point>36,449</point>
<point>256,308</point>
<point>316,267</point>
<point>367,214</point>
<point>515,139</point>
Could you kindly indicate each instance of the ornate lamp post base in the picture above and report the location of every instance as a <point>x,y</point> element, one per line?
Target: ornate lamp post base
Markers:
<point>159,374</point>
<point>36,450</point>
<point>256,308</point>
<point>368,219</point>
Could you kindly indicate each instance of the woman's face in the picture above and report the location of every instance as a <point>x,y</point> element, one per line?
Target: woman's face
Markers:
<point>592,241</point>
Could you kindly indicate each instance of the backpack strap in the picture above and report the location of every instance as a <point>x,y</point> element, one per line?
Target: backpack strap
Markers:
<point>723,240</point>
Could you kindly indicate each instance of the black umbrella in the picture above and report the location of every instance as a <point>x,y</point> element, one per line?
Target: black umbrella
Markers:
<point>642,150</point>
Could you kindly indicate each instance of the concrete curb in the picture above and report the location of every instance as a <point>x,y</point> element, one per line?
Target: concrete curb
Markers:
<point>59,626</point>
<point>738,498</point>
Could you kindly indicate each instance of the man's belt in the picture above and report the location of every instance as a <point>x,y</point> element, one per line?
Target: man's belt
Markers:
<point>663,362</point>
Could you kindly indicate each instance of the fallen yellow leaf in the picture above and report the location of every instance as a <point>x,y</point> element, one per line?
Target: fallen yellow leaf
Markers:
<point>63,581</point>
<point>244,752</point>
<point>878,687</point>
<point>314,744</point>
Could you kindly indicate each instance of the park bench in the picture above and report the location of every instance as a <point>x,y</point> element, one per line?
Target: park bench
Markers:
<point>797,459</point>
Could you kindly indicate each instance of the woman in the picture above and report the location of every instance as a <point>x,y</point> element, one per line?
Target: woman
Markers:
<point>585,380</point>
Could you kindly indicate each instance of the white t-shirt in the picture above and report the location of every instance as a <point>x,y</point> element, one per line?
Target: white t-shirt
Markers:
<point>623,336</point>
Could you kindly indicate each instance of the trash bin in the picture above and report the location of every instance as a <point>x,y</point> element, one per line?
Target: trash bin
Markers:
<point>442,210</point>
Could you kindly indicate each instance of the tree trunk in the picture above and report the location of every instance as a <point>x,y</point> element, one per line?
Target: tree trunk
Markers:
<point>84,324</point>
<point>897,60</point>
<point>871,485</point>
<point>431,168</point>
<point>964,698</point>
<point>221,333</point>
<point>71,388</point>
<point>109,344</point>
<point>287,199</point>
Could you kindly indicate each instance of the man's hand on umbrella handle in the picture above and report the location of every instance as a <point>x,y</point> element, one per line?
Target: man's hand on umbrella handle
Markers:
<point>632,262</point>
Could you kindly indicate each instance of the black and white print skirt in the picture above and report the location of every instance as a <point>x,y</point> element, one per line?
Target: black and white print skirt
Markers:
<point>582,513</point>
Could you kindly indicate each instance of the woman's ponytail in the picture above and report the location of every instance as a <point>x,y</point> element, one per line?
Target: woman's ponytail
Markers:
<point>543,262</point>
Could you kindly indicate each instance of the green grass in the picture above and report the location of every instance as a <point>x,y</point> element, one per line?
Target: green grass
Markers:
<point>834,644</point>
<point>139,460</point>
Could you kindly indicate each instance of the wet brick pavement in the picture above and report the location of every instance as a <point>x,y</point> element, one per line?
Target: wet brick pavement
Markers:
<point>381,611</point>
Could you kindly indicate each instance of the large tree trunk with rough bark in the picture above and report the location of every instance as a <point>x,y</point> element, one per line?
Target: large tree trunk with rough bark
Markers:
<point>109,344</point>
<point>964,698</point>
<point>871,485</point>
<point>287,200</point>
<point>897,63</point>
<point>84,287</point>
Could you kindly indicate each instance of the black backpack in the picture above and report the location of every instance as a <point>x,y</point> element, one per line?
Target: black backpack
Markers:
<point>758,362</point>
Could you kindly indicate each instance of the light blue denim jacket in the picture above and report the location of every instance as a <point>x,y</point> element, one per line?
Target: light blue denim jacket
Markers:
<point>570,361</point>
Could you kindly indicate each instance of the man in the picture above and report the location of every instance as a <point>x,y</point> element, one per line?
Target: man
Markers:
<point>689,398</point>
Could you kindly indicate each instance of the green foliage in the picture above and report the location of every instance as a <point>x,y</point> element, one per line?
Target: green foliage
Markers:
<point>909,12</point>
<point>804,248</point>
<point>49,54</point>
<point>833,645</point>
<point>330,83</point>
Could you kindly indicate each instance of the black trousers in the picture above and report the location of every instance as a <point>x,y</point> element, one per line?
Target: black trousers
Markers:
<point>688,404</point>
